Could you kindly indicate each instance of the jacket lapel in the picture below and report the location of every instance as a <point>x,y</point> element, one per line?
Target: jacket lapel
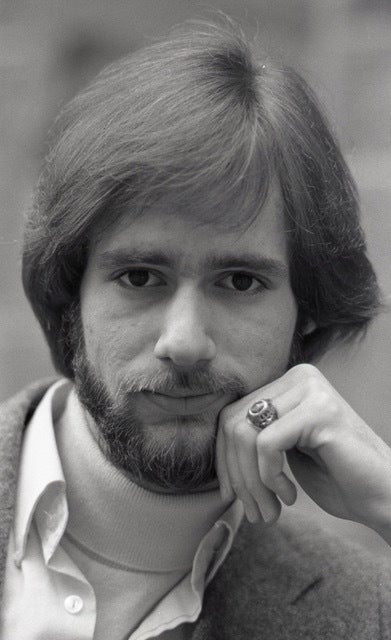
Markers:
<point>14,415</point>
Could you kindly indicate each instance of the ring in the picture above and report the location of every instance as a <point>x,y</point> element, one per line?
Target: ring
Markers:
<point>262,413</point>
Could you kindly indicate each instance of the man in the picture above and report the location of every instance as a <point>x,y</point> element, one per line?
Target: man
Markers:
<point>194,243</point>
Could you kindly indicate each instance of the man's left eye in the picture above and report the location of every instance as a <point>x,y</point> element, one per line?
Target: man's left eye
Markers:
<point>240,282</point>
<point>139,278</point>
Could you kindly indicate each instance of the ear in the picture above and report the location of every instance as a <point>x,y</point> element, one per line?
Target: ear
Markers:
<point>309,326</point>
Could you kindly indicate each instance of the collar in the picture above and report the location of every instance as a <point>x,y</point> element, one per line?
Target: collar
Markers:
<point>41,484</point>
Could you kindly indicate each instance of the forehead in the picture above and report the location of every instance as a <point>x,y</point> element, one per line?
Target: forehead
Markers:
<point>187,231</point>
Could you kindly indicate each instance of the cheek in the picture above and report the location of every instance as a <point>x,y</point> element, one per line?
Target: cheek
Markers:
<point>261,343</point>
<point>264,341</point>
<point>111,341</point>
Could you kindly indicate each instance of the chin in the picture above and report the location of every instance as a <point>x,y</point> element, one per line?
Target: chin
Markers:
<point>178,454</point>
<point>185,431</point>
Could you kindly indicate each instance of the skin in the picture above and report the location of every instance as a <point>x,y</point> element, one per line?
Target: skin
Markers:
<point>189,316</point>
<point>185,314</point>
<point>334,455</point>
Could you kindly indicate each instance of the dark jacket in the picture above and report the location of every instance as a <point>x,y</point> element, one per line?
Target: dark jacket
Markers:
<point>289,581</point>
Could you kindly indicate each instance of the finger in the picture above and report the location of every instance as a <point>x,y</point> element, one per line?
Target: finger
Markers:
<point>302,427</point>
<point>291,388</point>
<point>226,491</point>
<point>247,460</point>
<point>289,400</point>
<point>308,427</point>
<point>238,484</point>
<point>270,468</point>
<point>276,389</point>
<point>283,403</point>
<point>269,462</point>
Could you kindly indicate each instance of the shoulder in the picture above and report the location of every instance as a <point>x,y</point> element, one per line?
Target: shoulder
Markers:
<point>301,545</point>
<point>14,414</point>
<point>32,393</point>
<point>295,581</point>
<point>19,407</point>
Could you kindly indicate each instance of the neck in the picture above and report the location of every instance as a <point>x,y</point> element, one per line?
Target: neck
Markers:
<point>123,521</point>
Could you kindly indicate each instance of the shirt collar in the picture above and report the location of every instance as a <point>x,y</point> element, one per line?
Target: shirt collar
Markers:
<point>215,546</point>
<point>41,484</point>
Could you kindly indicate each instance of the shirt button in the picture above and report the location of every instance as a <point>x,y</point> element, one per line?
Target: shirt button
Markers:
<point>73,604</point>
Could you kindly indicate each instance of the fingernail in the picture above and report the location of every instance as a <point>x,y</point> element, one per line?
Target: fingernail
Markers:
<point>251,515</point>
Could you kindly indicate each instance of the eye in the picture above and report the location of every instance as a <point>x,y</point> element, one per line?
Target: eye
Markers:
<point>240,281</point>
<point>140,278</point>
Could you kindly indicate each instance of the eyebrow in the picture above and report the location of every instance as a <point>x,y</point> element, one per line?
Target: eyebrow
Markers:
<point>247,261</point>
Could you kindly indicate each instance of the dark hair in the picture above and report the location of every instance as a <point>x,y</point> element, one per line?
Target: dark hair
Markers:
<point>202,116</point>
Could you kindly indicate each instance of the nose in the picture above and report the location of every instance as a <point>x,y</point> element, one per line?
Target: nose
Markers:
<point>184,337</point>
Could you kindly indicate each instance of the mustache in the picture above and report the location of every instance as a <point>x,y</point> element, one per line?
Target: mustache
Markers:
<point>195,381</point>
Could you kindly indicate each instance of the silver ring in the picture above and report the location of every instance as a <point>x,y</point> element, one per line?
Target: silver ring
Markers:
<point>262,413</point>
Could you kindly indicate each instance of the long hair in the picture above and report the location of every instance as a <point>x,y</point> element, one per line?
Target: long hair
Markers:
<point>201,116</point>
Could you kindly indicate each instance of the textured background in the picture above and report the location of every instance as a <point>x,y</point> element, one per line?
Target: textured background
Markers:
<point>49,48</point>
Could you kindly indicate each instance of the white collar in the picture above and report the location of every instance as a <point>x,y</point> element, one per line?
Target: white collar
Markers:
<point>41,484</point>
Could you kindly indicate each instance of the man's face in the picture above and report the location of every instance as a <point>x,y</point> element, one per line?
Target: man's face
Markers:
<point>180,318</point>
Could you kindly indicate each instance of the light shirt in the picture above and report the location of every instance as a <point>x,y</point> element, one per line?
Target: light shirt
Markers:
<point>54,560</point>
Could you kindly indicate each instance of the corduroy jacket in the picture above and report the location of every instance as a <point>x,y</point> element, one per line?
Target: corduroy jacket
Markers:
<point>289,581</point>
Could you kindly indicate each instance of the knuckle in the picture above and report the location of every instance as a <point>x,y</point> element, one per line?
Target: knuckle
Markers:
<point>239,434</point>
<point>225,414</point>
<point>309,370</point>
<point>321,399</point>
<point>314,386</point>
<point>332,409</point>
<point>311,386</point>
<point>229,428</point>
<point>326,405</point>
<point>321,437</point>
<point>304,370</point>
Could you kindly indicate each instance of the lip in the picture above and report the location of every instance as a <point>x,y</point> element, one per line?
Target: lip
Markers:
<point>182,405</point>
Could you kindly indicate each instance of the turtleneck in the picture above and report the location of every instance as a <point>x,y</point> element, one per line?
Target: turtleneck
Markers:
<point>116,520</point>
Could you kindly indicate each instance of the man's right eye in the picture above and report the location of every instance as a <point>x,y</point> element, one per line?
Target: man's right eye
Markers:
<point>139,278</point>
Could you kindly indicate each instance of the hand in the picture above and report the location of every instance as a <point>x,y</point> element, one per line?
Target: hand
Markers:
<point>333,454</point>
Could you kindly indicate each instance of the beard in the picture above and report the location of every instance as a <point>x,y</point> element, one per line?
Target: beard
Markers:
<point>182,461</point>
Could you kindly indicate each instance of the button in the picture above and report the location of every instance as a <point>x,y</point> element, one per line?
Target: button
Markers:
<point>73,604</point>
